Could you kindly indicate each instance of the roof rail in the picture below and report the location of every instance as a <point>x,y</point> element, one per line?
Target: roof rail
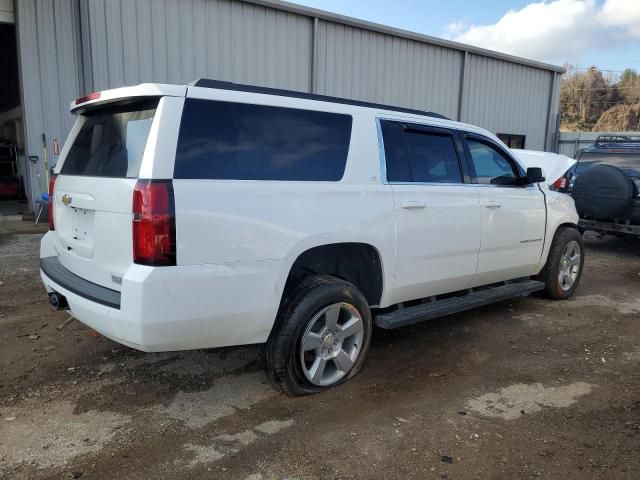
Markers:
<point>238,87</point>
<point>620,138</point>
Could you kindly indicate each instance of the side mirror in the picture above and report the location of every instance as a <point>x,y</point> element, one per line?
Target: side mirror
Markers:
<point>535,175</point>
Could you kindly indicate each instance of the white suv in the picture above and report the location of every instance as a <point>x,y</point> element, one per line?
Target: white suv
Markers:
<point>218,214</point>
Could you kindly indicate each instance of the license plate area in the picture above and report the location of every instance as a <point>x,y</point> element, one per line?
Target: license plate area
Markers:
<point>82,225</point>
<point>75,232</point>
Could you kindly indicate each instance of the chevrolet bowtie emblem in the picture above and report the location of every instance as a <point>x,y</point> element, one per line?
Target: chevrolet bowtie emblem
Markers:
<point>66,199</point>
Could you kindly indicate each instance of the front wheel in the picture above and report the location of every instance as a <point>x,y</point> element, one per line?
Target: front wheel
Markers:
<point>321,337</point>
<point>563,269</point>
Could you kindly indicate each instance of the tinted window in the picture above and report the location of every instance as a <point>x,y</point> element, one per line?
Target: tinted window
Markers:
<point>491,167</point>
<point>111,141</point>
<point>223,140</point>
<point>628,162</point>
<point>433,157</point>
<point>395,153</point>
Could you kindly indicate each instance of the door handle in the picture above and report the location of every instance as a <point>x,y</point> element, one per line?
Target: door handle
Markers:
<point>492,204</point>
<point>413,204</point>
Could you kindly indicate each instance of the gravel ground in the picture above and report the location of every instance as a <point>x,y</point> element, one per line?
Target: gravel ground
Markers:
<point>522,389</point>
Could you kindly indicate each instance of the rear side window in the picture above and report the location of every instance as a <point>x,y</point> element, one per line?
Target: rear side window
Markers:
<point>111,141</point>
<point>433,157</point>
<point>395,152</point>
<point>416,154</point>
<point>236,141</point>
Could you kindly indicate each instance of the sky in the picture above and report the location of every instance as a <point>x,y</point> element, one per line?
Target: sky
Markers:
<point>605,33</point>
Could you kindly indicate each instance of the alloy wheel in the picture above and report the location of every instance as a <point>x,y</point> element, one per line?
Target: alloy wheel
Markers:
<point>331,344</point>
<point>569,265</point>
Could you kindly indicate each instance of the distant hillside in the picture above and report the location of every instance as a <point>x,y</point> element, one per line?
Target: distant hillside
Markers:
<point>591,100</point>
<point>621,118</point>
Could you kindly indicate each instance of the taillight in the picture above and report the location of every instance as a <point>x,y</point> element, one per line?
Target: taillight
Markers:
<point>52,184</point>
<point>154,225</point>
<point>560,184</point>
<point>88,98</point>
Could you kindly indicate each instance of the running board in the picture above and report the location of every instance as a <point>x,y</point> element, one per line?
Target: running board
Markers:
<point>447,306</point>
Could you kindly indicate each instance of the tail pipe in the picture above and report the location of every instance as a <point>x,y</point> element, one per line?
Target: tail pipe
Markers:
<point>57,301</point>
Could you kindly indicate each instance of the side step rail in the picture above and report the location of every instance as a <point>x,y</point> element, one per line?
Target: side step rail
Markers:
<point>448,306</point>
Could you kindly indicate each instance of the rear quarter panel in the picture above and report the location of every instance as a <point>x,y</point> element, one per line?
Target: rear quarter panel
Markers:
<point>227,222</point>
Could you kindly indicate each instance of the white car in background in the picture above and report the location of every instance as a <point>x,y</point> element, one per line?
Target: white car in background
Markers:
<point>554,165</point>
<point>217,214</point>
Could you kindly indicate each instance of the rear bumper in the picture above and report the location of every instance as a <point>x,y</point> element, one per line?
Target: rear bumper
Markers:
<point>176,308</point>
<point>633,211</point>
<point>628,222</point>
<point>109,321</point>
<point>54,270</point>
<point>609,227</point>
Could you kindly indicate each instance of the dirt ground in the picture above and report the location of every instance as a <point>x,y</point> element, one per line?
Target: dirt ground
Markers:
<point>522,389</point>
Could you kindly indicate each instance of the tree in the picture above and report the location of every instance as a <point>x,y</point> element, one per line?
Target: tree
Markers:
<point>585,96</point>
<point>628,75</point>
<point>629,86</point>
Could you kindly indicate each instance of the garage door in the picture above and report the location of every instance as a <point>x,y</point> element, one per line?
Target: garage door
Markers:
<point>6,11</point>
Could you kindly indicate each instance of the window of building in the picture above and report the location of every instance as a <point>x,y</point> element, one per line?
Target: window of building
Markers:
<point>512,141</point>
<point>491,167</point>
<point>224,140</point>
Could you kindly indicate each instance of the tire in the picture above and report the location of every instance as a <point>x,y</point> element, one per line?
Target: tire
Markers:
<point>602,192</point>
<point>564,241</point>
<point>304,316</point>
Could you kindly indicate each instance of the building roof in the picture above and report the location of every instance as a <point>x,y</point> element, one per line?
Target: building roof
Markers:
<point>398,32</point>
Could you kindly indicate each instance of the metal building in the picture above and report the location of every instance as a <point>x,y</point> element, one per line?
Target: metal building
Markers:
<point>68,48</point>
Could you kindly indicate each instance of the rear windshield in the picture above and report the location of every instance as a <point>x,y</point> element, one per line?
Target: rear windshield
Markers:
<point>224,140</point>
<point>111,141</point>
<point>628,162</point>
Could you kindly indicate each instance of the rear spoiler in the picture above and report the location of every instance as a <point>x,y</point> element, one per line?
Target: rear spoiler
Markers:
<point>117,94</point>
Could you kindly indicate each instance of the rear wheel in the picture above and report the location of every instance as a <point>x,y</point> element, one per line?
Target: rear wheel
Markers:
<point>564,265</point>
<point>321,337</point>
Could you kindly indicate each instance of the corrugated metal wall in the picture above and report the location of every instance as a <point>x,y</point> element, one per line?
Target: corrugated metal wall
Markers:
<point>554,114</point>
<point>6,11</point>
<point>507,98</point>
<point>364,65</point>
<point>176,42</point>
<point>73,47</point>
<point>49,73</point>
